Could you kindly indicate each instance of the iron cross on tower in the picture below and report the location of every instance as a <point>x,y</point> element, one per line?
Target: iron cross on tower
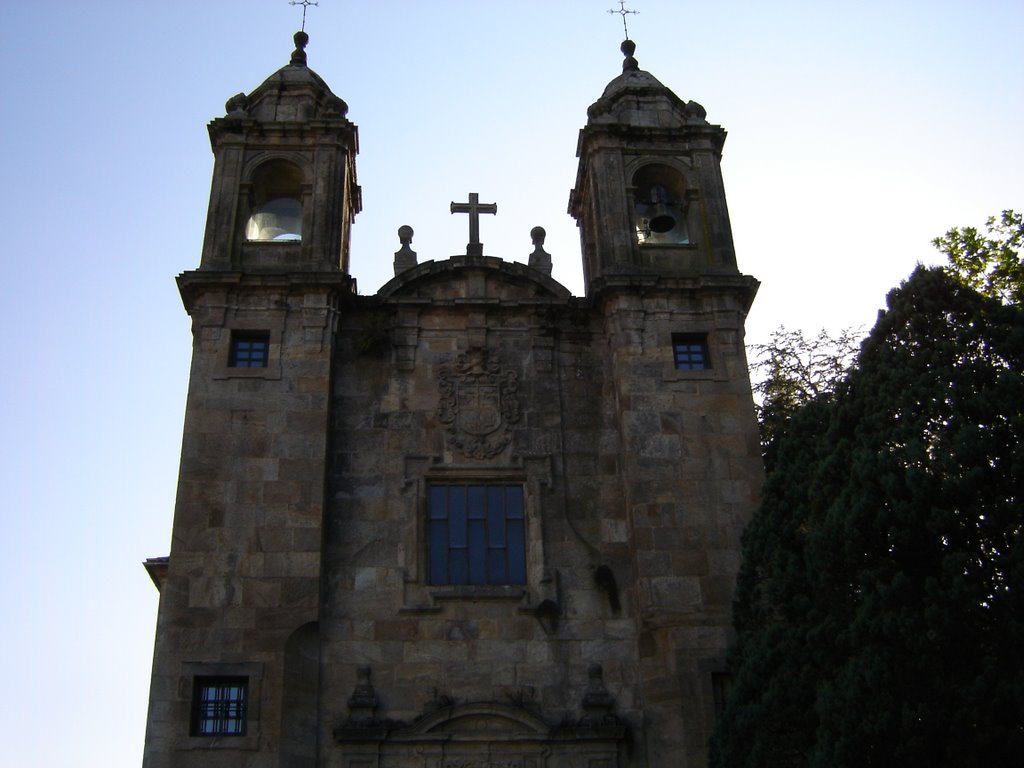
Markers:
<point>621,10</point>
<point>474,208</point>
<point>305,4</point>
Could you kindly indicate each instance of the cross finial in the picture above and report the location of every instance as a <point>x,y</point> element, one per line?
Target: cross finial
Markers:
<point>305,4</point>
<point>621,10</point>
<point>474,208</point>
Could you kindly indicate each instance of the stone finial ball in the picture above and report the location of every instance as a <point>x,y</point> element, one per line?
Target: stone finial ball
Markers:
<point>628,47</point>
<point>405,233</point>
<point>537,234</point>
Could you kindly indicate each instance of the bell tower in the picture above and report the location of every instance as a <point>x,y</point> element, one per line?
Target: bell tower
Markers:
<point>661,273</point>
<point>234,668</point>
<point>649,198</point>
<point>284,192</point>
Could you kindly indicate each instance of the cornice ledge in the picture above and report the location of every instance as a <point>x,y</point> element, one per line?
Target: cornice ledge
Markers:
<point>193,283</point>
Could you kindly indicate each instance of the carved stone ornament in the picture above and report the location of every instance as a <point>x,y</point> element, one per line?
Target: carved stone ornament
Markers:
<point>485,735</point>
<point>478,404</point>
<point>237,105</point>
<point>362,704</point>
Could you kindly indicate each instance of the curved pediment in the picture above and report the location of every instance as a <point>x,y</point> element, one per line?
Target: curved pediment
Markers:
<point>468,278</point>
<point>478,722</point>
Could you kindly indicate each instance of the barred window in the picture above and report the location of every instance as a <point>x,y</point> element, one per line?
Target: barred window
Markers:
<point>690,352</point>
<point>249,349</point>
<point>219,706</point>
<point>476,534</point>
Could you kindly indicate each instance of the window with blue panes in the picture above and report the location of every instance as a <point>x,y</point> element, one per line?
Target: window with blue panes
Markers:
<point>249,349</point>
<point>219,706</point>
<point>476,534</point>
<point>690,352</point>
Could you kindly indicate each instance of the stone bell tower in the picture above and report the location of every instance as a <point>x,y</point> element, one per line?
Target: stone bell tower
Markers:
<point>660,269</point>
<point>284,182</point>
<point>649,198</point>
<point>242,584</point>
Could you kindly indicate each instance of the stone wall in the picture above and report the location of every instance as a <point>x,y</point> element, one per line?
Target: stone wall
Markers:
<point>244,571</point>
<point>637,478</point>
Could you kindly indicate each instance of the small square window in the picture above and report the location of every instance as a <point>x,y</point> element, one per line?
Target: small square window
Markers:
<point>476,535</point>
<point>690,352</point>
<point>220,706</point>
<point>249,349</point>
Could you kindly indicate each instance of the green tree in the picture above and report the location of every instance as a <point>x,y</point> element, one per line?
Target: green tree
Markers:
<point>791,370</point>
<point>990,262</point>
<point>879,607</point>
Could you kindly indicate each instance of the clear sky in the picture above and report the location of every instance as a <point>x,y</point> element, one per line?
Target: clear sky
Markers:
<point>857,132</point>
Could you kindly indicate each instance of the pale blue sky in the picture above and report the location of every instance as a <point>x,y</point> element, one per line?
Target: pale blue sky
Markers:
<point>857,132</point>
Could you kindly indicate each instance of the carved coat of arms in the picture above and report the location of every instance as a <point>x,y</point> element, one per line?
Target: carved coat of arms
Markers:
<point>478,403</point>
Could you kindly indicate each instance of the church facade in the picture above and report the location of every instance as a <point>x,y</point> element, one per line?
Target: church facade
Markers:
<point>469,520</point>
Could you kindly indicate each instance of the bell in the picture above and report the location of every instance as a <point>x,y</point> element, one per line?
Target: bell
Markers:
<point>661,218</point>
<point>278,219</point>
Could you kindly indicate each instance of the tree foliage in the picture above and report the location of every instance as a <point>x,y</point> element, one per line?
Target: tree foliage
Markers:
<point>791,370</point>
<point>879,607</point>
<point>990,262</point>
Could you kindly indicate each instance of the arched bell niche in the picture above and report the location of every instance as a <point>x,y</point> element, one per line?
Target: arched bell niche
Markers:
<point>275,202</point>
<point>660,206</point>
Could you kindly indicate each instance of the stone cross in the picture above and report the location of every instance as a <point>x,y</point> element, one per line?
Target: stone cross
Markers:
<point>474,208</point>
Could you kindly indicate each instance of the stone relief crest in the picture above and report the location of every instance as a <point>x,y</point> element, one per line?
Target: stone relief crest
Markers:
<point>478,403</point>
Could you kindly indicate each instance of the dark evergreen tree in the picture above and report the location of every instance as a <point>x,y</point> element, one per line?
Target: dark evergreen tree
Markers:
<point>879,609</point>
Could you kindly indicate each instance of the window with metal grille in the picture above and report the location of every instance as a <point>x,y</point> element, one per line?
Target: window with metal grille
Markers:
<point>219,706</point>
<point>476,534</point>
<point>690,352</point>
<point>249,349</point>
